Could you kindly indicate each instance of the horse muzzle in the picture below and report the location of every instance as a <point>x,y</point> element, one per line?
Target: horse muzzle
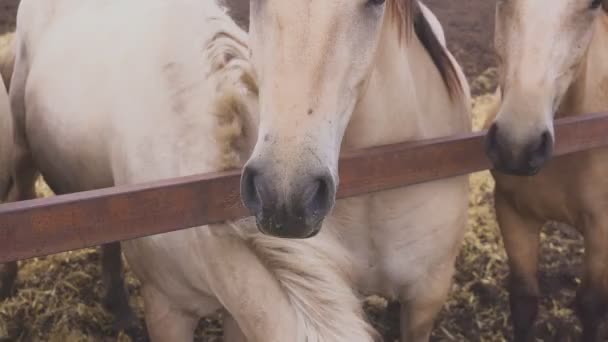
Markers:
<point>295,211</point>
<point>518,159</point>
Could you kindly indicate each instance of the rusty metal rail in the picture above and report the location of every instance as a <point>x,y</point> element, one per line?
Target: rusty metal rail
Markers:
<point>62,223</point>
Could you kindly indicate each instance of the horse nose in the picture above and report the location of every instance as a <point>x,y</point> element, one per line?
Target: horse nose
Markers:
<point>525,160</point>
<point>294,212</point>
<point>252,191</point>
<point>540,151</point>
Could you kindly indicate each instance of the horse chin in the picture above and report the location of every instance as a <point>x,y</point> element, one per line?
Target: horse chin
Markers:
<point>288,231</point>
<point>528,172</point>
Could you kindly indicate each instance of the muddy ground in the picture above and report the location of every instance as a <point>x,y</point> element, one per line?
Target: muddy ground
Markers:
<point>58,298</point>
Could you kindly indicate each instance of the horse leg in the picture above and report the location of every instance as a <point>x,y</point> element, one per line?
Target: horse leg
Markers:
<point>422,302</point>
<point>592,296</point>
<point>232,332</point>
<point>24,172</point>
<point>521,236</point>
<point>8,275</point>
<point>164,322</point>
<point>24,188</point>
<point>116,298</point>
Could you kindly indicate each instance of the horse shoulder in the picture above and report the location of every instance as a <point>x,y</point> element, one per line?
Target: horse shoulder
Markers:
<point>595,86</point>
<point>33,17</point>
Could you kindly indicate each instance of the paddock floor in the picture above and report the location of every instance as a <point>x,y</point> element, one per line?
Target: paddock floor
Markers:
<point>58,298</point>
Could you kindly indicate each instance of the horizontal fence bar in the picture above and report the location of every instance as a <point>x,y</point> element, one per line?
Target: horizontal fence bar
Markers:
<point>62,223</point>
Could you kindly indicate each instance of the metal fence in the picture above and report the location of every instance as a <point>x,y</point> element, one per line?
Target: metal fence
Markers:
<point>61,223</point>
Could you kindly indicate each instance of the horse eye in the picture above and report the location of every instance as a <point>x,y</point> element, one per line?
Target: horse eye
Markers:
<point>596,4</point>
<point>375,2</point>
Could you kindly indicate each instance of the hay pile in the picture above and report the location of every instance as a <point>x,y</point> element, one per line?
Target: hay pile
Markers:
<point>58,297</point>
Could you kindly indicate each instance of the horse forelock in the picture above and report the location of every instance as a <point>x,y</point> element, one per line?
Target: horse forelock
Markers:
<point>407,15</point>
<point>321,291</point>
<point>402,13</point>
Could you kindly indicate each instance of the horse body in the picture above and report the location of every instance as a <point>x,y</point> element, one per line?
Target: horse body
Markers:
<point>570,189</point>
<point>7,150</point>
<point>60,143</point>
<point>114,155</point>
<point>181,101</point>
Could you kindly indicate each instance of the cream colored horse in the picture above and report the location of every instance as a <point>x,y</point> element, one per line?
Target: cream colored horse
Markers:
<point>166,89</point>
<point>8,271</point>
<point>34,20</point>
<point>554,63</point>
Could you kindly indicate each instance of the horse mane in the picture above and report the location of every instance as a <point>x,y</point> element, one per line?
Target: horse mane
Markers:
<point>408,15</point>
<point>316,279</point>
<point>236,93</point>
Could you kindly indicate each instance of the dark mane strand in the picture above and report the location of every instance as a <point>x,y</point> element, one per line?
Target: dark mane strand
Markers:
<point>407,14</point>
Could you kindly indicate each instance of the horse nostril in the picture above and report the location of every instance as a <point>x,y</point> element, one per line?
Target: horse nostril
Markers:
<point>250,192</point>
<point>295,210</point>
<point>318,198</point>
<point>542,152</point>
<point>491,143</point>
<point>545,143</point>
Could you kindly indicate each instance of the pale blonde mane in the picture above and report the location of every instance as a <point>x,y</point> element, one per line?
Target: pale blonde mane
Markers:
<point>235,103</point>
<point>402,14</point>
<point>318,285</point>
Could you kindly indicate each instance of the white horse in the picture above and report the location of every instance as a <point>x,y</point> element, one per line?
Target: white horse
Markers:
<point>554,63</point>
<point>155,89</point>
<point>34,19</point>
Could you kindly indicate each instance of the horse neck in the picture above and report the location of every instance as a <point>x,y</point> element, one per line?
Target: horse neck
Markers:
<point>587,94</point>
<point>379,117</point>
<point>404,99</point>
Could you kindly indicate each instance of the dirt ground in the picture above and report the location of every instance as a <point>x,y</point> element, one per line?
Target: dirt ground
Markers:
<point>469,28</point>
<point>58,298</point>
<point>8,8</point>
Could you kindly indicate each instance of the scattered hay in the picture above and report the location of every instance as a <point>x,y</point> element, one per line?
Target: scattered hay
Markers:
<point>58,298</point>
<point>485,83</point>
<point>484,107</point>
